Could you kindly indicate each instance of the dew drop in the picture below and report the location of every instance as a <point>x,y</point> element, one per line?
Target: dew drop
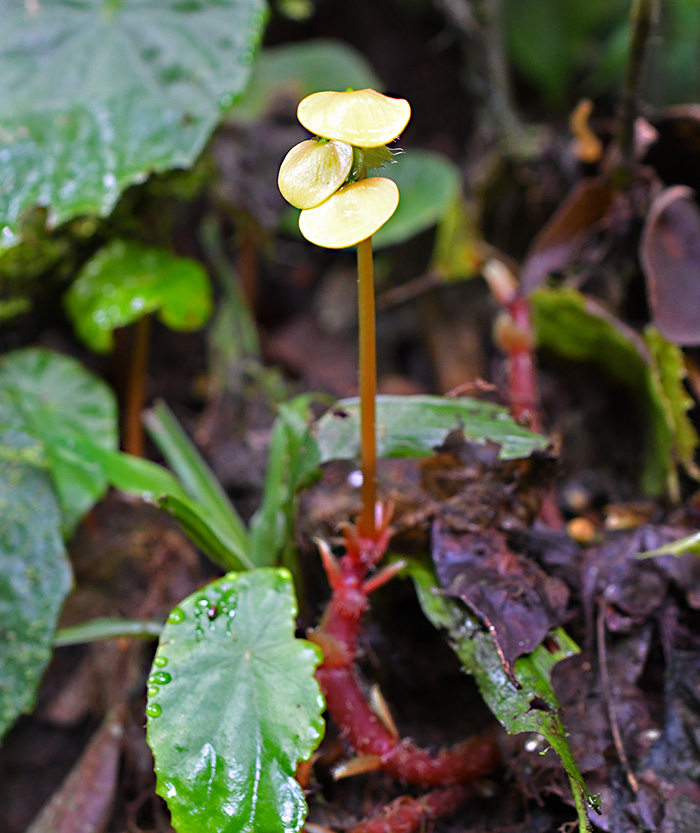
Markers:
<point>152,690</point>
<point>162,678</point>
<point>154,710</point>
<point>160,662</point>
<point>176,615</point>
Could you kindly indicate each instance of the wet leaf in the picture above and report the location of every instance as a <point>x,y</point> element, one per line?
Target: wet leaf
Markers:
<point>414,426</point>
<point>511,595</point>
<point>125,281</point>
<point>46,394</point>
<point>574,326</point>
<point>670,254</point>
<point>233,706</point>
<point>428,184</point>
<point>35,575</point>
<point>529,706</point>
<point>296,70</point>
<point>80,122</point>
<point>84,801</point>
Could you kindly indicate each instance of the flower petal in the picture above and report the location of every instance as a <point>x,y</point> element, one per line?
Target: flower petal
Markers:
<point>352,214</point>
<point>314,170</point>
<point>364,118</point>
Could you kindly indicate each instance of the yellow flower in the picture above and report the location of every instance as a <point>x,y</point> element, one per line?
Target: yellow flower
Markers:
<point>353,213</point>
<point>364,118</point>
<point>314,170</point>
<point>313,173</point>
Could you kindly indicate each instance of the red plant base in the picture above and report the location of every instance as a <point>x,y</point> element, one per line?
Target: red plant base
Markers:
<point>375,740</point>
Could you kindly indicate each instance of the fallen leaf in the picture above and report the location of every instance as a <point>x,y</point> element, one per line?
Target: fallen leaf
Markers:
<point>510,594</point>
<point>670,255</point>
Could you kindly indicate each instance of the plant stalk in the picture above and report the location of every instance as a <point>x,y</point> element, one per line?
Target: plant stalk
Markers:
<point>135,393</point>
<point>368,387</point>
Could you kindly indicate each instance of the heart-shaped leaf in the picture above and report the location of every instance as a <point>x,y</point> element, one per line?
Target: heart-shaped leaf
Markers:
<point>125,281</point>
<point>98,94</point>
<point>233,706</point>
<point>47,394</point>
<point>414,426</point>
<point>35,574</point>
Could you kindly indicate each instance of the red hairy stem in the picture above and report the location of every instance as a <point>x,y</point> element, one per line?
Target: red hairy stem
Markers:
<point>516,338</point>
<point>337,635</point>
<point>399,758</point>
<point>404,815</point>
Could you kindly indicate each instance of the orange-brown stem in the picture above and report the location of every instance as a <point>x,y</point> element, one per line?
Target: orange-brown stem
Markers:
<point>135,392</point>
<point>368,387</point>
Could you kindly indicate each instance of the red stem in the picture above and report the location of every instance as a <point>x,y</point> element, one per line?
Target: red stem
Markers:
<point>405,814</point>
<point>346,704</point>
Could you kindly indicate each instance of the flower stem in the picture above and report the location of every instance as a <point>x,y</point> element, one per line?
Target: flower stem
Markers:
<point>368,386</point>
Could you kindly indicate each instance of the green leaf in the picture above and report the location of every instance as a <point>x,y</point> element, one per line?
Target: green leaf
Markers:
<point>233,706</point>
<point>45,394</point>
<point>35,574</point>
<point>428,185</point>
<point>574,326</point>
<point>688,545</point>
<point>414,426</point>
<point>96,95</point>
<point>299,69</point>
<point>155,484</point>
<point>106,628</point>
<point>125,281</point>
<point>292,464</point>
<point>667,377</point>
<point>195,475</point>
<point>511,704</point>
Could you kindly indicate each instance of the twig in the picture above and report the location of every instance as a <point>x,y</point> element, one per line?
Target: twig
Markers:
<point>609,699</point>
<point>481,25</point>
<point>644,15</point>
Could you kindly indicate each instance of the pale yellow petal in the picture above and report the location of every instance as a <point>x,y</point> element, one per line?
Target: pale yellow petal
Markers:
<point>313,170</point>
<point>353,213</point>
<point>364,118</point>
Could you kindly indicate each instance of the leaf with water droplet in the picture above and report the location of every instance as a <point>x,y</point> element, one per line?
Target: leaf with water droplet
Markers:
<point>241,710</point>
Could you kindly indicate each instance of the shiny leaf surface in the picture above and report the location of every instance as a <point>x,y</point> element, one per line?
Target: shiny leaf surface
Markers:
<point>96,95</point>
<point>125,281</point>
<point>233,706</point>
<point>413,426</point>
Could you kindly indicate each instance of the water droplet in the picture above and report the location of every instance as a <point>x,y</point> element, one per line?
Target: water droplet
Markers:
<point>152,690</point>
<point>226,101</point>
<point>160,662</point>
<point>355,479</point>
<point>176,615</point>
<point>154,710</point>
<point>162,678</point>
